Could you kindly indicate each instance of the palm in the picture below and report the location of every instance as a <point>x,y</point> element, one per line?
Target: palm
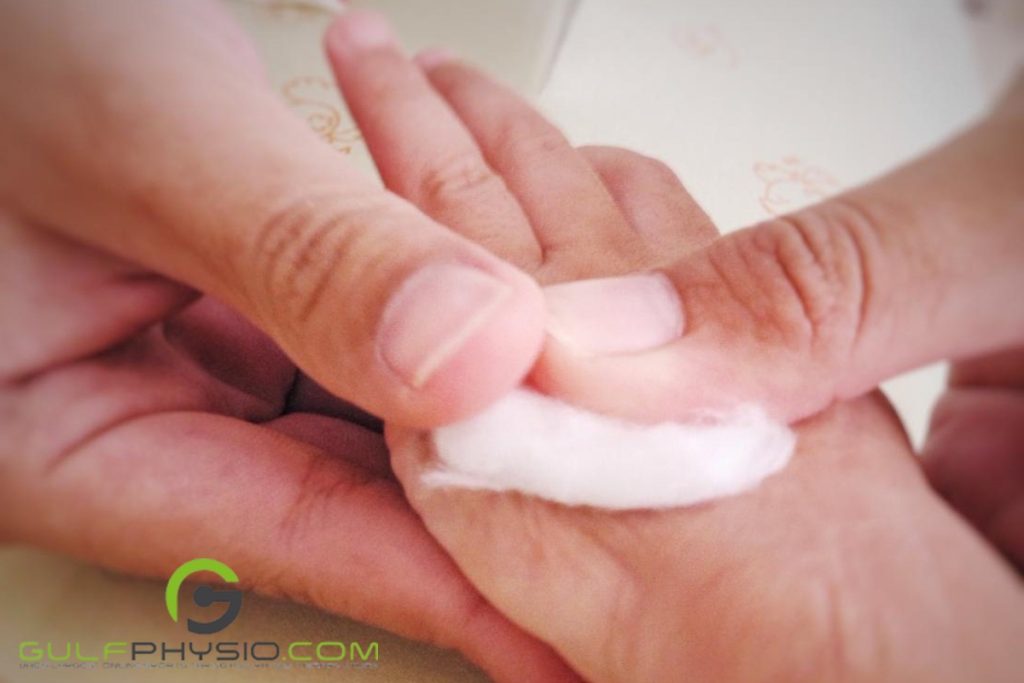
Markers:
<point>813,572</point>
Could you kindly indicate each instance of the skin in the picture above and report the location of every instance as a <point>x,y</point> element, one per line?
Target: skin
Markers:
<point>846,566</point>
<point>158,356</point>
<point>922,264</point>
<point>141,132</point>
<point>819,306</point>
<point>177,409</point>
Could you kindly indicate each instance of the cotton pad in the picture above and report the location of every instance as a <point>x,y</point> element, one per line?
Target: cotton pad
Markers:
<point>540,446</point>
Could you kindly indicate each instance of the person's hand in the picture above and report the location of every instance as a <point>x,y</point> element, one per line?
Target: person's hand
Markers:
<point>147,132</point>
<point>144,157</point>
<point>845,566</point>
<point>924,264</point>
<point>804,310</point>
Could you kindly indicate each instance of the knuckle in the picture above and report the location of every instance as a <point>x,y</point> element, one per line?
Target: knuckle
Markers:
<point>525,142</point>
<point>654,170</point>
<point>296,254</point>
<point>597,152</point>
<point>456,179</point>
<point>809,275</point>
<point>321,493</point>
<point>380,76</point>
<point>317,489</point>
<point>454,80</point>
<point>627,164</point>
<point>606,159</point>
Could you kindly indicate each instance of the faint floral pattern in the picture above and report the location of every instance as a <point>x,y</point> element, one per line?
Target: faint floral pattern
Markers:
<point>706,44</point>
<point>792,183</point>
<point>316,99</point>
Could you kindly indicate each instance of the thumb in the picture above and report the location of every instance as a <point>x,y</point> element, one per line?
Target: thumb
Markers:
<point>205,176</point>
<point>924,264</point>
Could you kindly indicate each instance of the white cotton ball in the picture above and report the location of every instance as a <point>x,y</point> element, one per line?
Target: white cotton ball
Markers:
<point>540,446</point>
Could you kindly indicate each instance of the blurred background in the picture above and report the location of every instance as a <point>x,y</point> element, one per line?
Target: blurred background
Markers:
<point>760,106</point>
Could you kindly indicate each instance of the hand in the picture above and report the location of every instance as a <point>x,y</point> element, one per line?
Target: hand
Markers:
<point>844,566</point>
<point>149,133</point>
<point>924,264</point>
<point>921,265</point>
<point>146,424</point>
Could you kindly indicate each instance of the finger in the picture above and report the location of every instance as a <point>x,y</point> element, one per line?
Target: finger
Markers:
<point>653,200</point>
<point>422,150</point>
<point>64,301</point>
<point>973,455</point>
<point>811,308</point>
<point>234,196</point>
<point>290,519</point>
<point>361,447</point>
<point>559,191</point>
<point>974,460</point>
<point>1003,370</point>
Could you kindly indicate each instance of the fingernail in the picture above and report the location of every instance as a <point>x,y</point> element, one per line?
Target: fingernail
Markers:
<point>432,316</point>
<point>360,30</point>
<point>615,314</point>
<point>433,57</point>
